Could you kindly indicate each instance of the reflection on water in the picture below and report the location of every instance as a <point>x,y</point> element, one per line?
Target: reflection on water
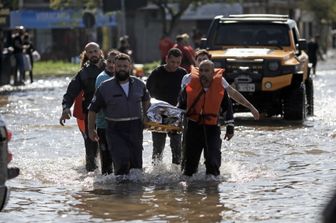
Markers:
<point>179,202</point>
<point>272,170</point>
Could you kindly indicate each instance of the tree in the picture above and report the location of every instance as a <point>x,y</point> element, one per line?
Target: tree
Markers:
<point>324,10</point>
<point>325,14</point>
<point>11,4</point>
<point>84,4</point>
<point>171,11</point>
<point>175,9</point>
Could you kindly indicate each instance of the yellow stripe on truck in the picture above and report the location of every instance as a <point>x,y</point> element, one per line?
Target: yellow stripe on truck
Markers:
<point>276,82</point>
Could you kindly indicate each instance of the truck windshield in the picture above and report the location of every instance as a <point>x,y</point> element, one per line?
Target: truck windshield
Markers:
<point>252,34</point>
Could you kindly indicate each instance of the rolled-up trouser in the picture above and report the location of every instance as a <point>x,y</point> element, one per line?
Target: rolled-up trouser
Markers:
<point>197,138</point>
<point>105,155</point>
<point>91,148</point>
<point>124,139</point>
<point>159,141</point>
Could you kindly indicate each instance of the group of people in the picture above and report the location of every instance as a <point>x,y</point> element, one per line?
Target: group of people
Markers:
<point>20,46</point>
<point>107,85</point>
<point>183,44</point>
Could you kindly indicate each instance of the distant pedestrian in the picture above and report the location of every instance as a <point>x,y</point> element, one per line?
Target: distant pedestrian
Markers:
<point>187,56</point>
<point>186,43</point>
<point>124,46</point>
<point>124,100</point>
<point>197,37</point>
<point>165,45</point>
<point>313,51</point>
<point>85,81</point>
<point>18,54</point>
<point>164,83</point>
<point>29,49</point>
<point>101,124</point>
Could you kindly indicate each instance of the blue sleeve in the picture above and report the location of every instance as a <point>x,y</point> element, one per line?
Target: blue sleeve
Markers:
<point>100,78</point>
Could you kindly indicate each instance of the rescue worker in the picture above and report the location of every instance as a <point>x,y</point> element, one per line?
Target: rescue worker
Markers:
<point>124,100</point>
<point>105,157</point>
<point>233,93</point>
<point>204,98</point>
<point>85,81</point>
<point>164,84</point>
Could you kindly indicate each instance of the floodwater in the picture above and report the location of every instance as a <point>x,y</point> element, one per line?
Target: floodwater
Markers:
<point>272,171</point>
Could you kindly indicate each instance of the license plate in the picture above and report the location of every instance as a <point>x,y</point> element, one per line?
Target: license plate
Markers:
<point>246,87</point>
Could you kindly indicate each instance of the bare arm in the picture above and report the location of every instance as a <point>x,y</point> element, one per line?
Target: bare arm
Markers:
<point>92,126</point>
<point>235,95</point>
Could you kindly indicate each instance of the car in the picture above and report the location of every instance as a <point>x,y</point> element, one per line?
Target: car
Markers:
<point>265,60</point>
<point>6,173</point>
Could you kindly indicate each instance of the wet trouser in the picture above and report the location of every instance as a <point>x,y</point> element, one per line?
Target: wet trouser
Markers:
<point>159,141</point>
<point>197,138</point>
<point>20,68</point>
<point>124,139</point>
<point>105,155</point>
<point>91,148</point>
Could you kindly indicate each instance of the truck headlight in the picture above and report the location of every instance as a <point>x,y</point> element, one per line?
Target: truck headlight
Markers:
<point>273,65</point>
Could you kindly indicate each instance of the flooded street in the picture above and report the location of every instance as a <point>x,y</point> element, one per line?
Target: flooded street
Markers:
<point>272,171</point>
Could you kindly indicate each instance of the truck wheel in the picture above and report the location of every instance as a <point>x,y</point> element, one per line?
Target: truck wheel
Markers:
<point>310,96</point>
<point>294,104</point>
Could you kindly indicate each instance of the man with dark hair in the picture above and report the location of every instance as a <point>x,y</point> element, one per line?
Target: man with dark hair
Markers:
<point>164,83</point>
<point>85,81</point>
<point>124,100</point>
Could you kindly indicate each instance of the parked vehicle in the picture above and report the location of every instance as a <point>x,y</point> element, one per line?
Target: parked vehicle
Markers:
<point>6,173</point>
<point>265,60</point>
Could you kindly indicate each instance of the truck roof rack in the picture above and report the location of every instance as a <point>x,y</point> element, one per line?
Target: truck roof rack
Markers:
<point>259,16</point>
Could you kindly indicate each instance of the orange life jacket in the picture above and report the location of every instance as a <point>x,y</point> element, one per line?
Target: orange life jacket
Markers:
<point>206,109</point>
<point>78,111</point>
<point>78,106</point>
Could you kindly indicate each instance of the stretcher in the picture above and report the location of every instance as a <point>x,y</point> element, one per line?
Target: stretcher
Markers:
<point>164,128</point>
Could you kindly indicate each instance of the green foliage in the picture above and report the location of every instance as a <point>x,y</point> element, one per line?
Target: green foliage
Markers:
<point>175,9</point>
<point>55,68</point>
<point>149,67</point>
<point>323,9</point>
<point>61,68</point>
<point>11,4</point>
<point>84,4</point>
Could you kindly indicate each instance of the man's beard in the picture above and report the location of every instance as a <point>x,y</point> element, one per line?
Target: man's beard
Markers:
<point>94,59</point>
<point>122,75</point>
